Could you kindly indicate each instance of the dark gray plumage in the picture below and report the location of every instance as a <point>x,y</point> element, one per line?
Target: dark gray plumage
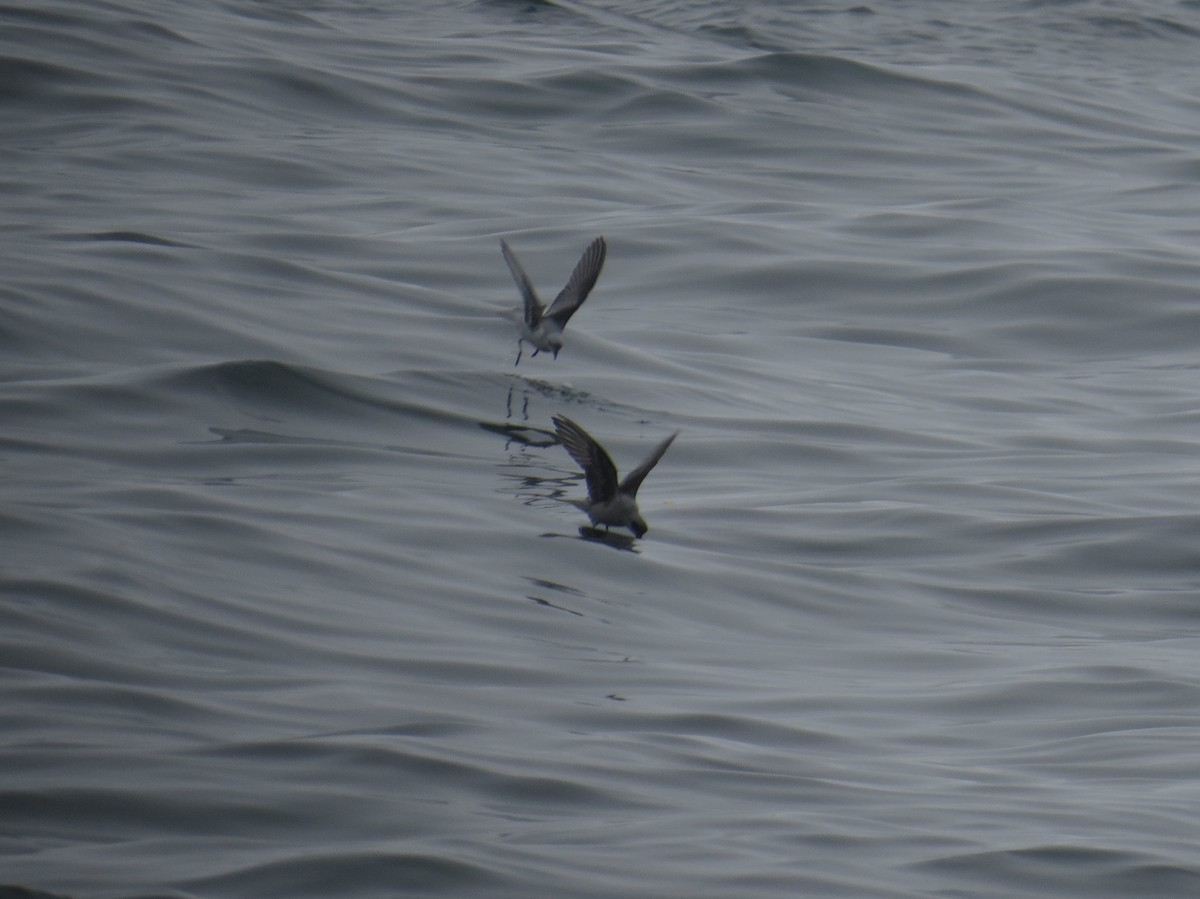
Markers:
<point>610,502</point>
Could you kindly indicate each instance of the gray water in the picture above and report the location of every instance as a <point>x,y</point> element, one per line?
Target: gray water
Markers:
<point>292,601</point>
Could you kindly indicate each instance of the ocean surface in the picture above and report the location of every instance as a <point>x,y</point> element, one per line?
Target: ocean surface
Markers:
<point>293,602</point>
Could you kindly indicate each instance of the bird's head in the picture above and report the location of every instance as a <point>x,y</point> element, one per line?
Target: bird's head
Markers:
<point>638,526</point>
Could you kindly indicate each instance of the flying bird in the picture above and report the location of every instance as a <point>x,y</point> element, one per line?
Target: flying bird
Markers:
<point>541,327</point>
<point>609,503</point>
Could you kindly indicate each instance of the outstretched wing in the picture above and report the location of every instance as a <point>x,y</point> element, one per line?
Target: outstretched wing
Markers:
<point>591,457</point>
<point>634,479</point>
<point>533,306</point>
<point>583,279</point>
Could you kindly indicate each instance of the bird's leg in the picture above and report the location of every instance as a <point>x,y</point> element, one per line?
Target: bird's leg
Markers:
<point>519,349</point>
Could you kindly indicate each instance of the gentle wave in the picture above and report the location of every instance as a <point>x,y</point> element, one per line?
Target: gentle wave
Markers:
<point>294,598</point>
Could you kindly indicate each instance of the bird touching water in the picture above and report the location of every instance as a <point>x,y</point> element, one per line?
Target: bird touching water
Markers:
<point>610,503</point>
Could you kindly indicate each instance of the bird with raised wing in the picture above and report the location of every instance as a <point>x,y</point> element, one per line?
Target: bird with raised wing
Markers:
<point>610,502</point>
<point>542,327</point>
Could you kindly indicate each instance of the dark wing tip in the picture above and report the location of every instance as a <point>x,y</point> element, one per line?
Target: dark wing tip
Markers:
<point>581,282</point>
<point>576,440</point>
<point>531,305</point>
<point>572,434</point>
<point>634,479</point>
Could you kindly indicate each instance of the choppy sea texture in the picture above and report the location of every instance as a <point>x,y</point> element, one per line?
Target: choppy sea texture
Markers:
<point>291,600</point>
